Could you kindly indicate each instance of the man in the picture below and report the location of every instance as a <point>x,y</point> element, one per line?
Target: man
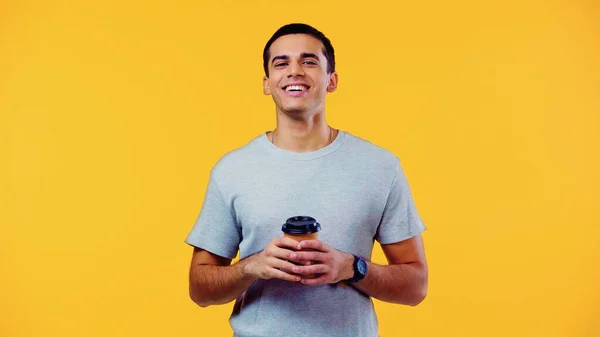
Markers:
<point>357,191</point>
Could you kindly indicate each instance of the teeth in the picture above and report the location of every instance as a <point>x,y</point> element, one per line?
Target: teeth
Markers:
<point>295,88</point>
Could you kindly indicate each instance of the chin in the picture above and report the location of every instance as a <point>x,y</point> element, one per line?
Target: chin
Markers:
<point>295,110</point>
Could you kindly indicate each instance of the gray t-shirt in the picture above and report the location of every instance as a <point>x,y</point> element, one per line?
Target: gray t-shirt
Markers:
<point>356,190</point>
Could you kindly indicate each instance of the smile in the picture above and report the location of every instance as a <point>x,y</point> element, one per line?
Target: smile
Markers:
<point>295,88</point>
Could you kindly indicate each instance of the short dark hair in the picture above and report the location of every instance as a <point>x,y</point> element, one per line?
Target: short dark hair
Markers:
<point>301,28</point>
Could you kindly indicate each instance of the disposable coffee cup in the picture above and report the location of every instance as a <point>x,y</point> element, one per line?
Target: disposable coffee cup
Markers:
<point>301,228</point>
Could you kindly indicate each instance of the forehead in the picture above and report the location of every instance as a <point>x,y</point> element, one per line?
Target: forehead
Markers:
<point>294,44</point>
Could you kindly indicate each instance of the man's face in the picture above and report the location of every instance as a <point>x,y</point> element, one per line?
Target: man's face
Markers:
<point>298,80</point>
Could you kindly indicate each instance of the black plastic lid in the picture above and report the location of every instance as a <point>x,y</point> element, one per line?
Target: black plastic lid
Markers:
<point>301,225</point>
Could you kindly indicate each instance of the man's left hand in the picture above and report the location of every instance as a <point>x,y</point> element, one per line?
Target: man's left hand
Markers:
<point>332,265</point>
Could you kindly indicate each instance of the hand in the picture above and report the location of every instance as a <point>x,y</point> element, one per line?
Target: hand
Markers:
<point>332,264</point>
<point>271,261</point>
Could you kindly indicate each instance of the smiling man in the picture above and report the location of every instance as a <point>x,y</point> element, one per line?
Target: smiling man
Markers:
<point>357,191</point>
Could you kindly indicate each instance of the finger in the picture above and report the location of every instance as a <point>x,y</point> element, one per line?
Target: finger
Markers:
<point>281,264</point>
<point>274,273</point>
<point>281,253</point>
<point>314,244</point>
<point>309,270</point>
<point>314,281</point>
<point>285,242</point>
<point>308,256</point>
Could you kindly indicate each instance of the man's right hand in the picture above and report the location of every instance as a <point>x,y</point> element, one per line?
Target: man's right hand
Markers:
<point>273,261</point>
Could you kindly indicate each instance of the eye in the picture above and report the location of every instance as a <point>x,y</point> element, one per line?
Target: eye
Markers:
<point>280,64</point>
<point>310,62</point>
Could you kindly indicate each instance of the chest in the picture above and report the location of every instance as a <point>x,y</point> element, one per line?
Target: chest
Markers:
<point>348,205</point>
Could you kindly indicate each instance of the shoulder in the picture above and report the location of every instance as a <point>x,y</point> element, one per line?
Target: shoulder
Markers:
<point>367,151</point>
<point>235,160</point>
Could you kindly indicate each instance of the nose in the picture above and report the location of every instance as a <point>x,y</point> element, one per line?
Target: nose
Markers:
<point>295,69</point>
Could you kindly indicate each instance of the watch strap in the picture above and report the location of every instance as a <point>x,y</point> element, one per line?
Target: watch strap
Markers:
<point>358,275</point>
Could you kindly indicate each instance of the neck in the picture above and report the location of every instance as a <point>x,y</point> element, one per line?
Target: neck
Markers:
<point>302,135</point>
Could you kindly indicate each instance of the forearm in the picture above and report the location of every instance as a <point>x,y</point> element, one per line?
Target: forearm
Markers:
<point>210,285</point>
<point>399,283</point>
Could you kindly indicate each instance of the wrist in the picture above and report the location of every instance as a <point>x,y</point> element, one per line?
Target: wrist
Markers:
<point>348,267</point>
<point>358,269</point>
<point>247,268</point>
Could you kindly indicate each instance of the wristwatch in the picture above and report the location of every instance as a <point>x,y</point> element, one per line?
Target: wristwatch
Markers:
<point>360,269</point>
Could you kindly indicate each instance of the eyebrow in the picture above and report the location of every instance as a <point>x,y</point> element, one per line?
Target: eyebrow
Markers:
<point>302,55</point>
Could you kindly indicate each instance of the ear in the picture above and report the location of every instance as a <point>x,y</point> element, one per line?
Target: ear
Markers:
<point>333,82</point>
<point>266,88</point>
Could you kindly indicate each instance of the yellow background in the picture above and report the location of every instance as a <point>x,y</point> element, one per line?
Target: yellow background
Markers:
<point>113,112</point>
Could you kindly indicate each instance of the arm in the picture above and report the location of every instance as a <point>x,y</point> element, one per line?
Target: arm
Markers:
<point>214,280</point>
<point>402,281</point>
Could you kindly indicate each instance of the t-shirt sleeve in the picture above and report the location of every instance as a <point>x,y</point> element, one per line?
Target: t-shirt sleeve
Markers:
<point>215,229</point>
<point>400,220</point>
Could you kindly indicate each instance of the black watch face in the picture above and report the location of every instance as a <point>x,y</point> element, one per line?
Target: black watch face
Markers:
<point>362,266</point>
